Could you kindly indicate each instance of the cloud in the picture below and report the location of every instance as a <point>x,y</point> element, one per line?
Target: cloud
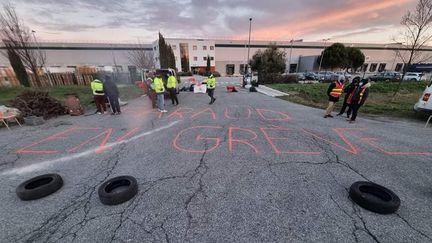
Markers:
<point>359,32</point>
<point>272,19</point>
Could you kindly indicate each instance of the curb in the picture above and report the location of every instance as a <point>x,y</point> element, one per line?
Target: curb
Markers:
<point>270,92</point>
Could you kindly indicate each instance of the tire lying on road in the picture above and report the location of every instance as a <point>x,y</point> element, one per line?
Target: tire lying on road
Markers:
<point>374,197</point>
<point>118,190</point>
<point>39,187</point>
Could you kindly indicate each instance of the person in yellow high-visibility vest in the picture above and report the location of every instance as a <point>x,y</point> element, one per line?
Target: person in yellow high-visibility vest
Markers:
<point>334,91</point>
<point>159,88</point>
<point>211,85</point>
<point>172,88</point>
<point>98,95</point>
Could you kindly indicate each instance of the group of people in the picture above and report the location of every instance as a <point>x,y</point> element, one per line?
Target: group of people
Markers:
<point>103,91</point>
<point>356,93</point>
<point>157,86</point>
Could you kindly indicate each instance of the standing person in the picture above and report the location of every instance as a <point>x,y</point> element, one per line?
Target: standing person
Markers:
<point>172,88</point>
<point>358,97</point>
<point>98,95</point>
<point>112,93</point>
<point>151,92</point>
<point>347,91</point>
<point>159,88</point>
<point>211,85</point>
<point>334,91</point>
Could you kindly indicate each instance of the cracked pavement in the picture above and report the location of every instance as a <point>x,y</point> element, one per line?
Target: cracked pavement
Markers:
<point>239,177</point>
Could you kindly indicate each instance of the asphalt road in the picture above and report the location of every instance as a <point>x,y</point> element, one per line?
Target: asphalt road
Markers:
<point>249,168</point>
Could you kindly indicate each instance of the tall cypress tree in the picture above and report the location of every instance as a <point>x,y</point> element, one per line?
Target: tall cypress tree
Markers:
<point>171,58</point>
<point>17,65</point>
<point>208,67</point>
<point>166,54</point>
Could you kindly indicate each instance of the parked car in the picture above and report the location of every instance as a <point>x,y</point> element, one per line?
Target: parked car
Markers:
<point>345,74</point>
<point>325,75</point>
<point>310,76</point>
<point>412,76</point>
<point>301,76</point>
<point>386,76</point>
<point>424,104</point>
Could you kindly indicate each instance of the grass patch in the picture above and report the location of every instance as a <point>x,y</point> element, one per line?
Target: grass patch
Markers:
<point>379,101</point>
<point>84,92</point>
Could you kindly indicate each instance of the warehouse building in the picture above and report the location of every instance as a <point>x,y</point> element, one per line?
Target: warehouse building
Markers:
<point>228,57</point>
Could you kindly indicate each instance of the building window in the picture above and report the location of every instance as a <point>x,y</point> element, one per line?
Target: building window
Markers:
<point>194,48</point>
<point>212,58</point>
<point>195,58</point>
<point>364,67</point>
<point>174,47</point>
<point>230,69</point>
<point>381,67</point>
<point>373,67</point>
<point>211,48</point>
<point>205,58</point>
<point>242,69</point>
<point>398,67</point>
<point>204,48</point>
<point>184,57</point>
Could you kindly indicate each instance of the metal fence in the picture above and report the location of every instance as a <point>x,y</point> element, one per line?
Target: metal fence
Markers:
<point>69,78</point>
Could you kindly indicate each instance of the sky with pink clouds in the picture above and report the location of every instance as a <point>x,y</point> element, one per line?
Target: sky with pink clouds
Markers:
<point>370,21</point>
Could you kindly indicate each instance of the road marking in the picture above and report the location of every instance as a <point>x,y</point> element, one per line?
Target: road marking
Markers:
<point>41,165</point>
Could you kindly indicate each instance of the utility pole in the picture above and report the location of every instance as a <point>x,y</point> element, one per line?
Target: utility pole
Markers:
<point>289,62</point>
<point>322,57</point>
<point>250,29</point>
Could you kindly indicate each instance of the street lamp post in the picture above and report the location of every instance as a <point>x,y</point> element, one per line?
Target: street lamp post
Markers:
<point>322,57</point>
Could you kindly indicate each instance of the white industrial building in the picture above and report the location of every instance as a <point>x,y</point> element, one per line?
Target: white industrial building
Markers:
<point>228,57</point>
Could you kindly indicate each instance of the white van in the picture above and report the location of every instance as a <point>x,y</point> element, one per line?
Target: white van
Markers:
<point>425,102</point>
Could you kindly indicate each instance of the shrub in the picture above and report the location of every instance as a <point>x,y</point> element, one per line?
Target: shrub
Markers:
<point>278,78</point>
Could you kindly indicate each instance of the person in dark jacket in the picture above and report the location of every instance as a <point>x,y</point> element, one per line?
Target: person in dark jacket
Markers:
<point>358,97</point>
<point>112,93</point>
<point>334,91</point>
<point>347,90</point>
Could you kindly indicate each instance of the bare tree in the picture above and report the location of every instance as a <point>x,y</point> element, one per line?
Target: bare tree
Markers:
<point>416,35</point>
<point>21,38</point>
<point>141,58</point>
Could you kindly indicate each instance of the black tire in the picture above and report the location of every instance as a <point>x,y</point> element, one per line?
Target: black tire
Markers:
<point>39,187</point>
<point>126,188</point>
<point>374,197</point>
